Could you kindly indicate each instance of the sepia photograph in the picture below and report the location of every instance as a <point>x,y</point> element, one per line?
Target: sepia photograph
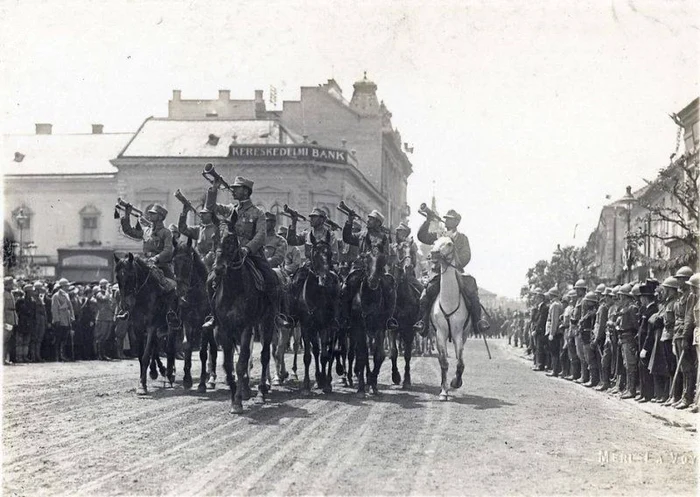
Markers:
<point>372,248</point>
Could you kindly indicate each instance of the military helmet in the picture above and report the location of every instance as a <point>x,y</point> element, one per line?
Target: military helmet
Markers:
<point>685,272</point>
<point>269,216</point>
<point>625,290</point>
<point>600,288</point>
<point>694,280</point>
<point>158,209</point>
<point>538,291</point>
<point>318,212</point>
<point>553,292</point>
<point>571,293</point>
<point>580,284</point>
<point>670,282</point>
<point>591,297</point>
<point>282,230</point>
<point>608,291</point>
<point>173,228</point>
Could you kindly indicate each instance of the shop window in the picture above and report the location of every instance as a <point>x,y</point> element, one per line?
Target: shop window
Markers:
<point>89,226</point>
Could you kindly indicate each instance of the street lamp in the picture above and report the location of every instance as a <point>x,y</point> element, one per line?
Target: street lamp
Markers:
<point>628,201</point>
<point>21,220</point>
<point>31,250</point>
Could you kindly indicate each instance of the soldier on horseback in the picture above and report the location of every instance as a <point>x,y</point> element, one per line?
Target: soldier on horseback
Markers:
<point>405,247</point>
<point>462,257</point>
<point>275,245</point>
<point>250,229</point>
<point>157,243</point>
<point>372,238</point>
<point>206,234</point>
<point>317,219</point>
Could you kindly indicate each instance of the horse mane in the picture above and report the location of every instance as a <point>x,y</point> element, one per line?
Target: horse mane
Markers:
<point>198,264</point>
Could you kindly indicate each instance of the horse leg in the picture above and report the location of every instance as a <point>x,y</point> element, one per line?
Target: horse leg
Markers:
<point>245,357</point>
<point>352,363</point>
<point>442,359</point>
<point>144,360</point>
<point>211,364</point>
<point>187,352</point>
<point>306,388</point>
<point>265,340</point>
<point>227,346</point>
<point>320,379</point>
<point>276,341</point>
<point>378,359</point>
<point>459,347</point>
<point>394,354</point>
<point>362,360</point>
<point>327,358</point>
<point>202,387</point>
<point>408,335</point>
<point>296,336</point>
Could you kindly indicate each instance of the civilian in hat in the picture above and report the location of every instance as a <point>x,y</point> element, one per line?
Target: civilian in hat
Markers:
<point>157,242</point>
<point>368,240</point>
<point>539,328</point>
<point>275,246</point>
<point>319,230</point>
<point>292,258</point>
<point>10,317</point>
<point>463,255</point>
<point>206,234</point>
<point>645,339</point>
<point>26,312</point>
<point>103,302</point>
<point>63,317</point>
<point>553,330</point>
<point>39,332</point>
<point>658,349</point>
<point>250,229</point>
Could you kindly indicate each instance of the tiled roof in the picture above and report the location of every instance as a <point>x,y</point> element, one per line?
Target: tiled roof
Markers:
<point>61,154</point>
<point>191,138</point>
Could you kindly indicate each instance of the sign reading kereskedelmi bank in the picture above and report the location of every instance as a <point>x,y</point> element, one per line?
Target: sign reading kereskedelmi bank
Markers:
<point>287,152</point>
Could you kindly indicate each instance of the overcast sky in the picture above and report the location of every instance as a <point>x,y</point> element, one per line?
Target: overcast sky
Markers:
<point>525,117</point>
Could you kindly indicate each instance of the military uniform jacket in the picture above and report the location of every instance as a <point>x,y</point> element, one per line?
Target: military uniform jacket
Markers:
<point>463,253</point>
<point>296,240</point>
<point>104,304</point>
<point>250,222</point>
<point>629,319</point>
<point>669,320</point>
<point>689,322</point>
<point>366,240</point>
<point>601,320</point>
<point>157,240</point>
<point>554,319</point>
<point>679,309</point>
<point>206,235</point>
<point>275,250</point>
<point>575,318</point>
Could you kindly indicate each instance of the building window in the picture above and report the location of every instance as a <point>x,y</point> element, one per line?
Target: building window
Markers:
<point>89,226</point>
<point>277,211</point>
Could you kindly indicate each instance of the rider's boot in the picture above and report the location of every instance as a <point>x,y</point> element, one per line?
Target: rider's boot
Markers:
<point>421,327</point>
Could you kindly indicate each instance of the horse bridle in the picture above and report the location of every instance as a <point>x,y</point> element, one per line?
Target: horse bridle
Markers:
<point>446,260</point>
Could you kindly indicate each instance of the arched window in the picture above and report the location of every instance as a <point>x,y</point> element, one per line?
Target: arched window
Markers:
<point>277,211</point>
<point>89,225</point>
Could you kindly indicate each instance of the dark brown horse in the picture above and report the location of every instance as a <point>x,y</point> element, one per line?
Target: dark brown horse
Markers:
<point>150,310</point>
<point>238,306</point>
<point>315,306</point>
<point>405,315</point>
<point>372,308</point>
<point>191,277</point>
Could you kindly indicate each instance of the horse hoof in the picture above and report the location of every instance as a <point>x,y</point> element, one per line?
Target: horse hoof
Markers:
<point>443,397</point>
<point>344,381</point>
<point>171,380</point>
<point>350,382</point>
<point>406,385</point>
<point>153,374</point>
<point>396,377</point>
<point>375,390</point>
<point>295,377</point>
<point>328,388</point>
<point>141,390</point>
<point>456,383</point>
<point>306,391</point>
<point>285,375</point>
<point>187,383</point>
<point>237,409</point>
<point>246,394</point>
<point>202,388</point>
<point>276,381</point>
<point>360,394</point>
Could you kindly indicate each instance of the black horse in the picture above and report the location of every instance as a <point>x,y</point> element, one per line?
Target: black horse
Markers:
<point>191,277</point>
<point>405,315</point>
<point>315,306</point>
<point>238,305</point>
<point>151,310</point>
<point>371,311</point>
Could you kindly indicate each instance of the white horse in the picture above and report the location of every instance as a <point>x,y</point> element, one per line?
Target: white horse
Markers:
<point>449,315</point>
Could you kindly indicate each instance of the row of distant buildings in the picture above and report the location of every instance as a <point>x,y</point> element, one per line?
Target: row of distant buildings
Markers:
<point>653,231</point>
<point>60,189</point>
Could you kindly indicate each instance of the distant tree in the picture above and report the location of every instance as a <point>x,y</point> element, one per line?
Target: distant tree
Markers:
<point>538,276</point>
<point>567,265</point>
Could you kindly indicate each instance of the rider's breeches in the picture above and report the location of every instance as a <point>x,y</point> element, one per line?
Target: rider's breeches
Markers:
<point>432,290</point>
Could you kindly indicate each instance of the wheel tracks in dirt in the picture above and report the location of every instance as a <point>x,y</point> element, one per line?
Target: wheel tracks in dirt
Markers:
<point>363,416</point>
<point>166,456</point>
<point>153,415</point>
<point>236,460</point>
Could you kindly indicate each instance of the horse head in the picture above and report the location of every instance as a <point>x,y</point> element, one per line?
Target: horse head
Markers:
<point>443,251</point>
<point>190,271</point>
<point>374,264</point>
<point>321,256</point>
<point>229,243</point>
<point>132,276</point>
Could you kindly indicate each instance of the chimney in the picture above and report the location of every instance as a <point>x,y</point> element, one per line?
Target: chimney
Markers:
<point>225,95</point>
<point>43,128</point>
<point>176,95</point>
<point>97,129</point>
<point>259,104</point>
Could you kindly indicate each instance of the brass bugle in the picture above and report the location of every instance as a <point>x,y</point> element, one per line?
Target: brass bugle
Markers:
<point>289,212</point>
<point>210,174</point>
<point>181,197</point>
<point>123,204</point>
<point>342,207</point>
<point>428,213</point>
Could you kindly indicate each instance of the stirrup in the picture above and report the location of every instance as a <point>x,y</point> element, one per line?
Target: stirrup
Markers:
<point>122,315</point>
<point>283,321</point>
<point>392,324</point>
<point>483,325</point>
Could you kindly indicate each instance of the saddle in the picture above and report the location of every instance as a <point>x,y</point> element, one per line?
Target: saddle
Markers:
<point>257,274</point>
<point>167,285</point>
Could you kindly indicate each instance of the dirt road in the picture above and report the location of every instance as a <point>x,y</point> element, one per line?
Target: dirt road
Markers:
<point>79,429</point>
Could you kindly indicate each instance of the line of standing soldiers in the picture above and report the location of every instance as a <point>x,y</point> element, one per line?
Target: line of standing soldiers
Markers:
<point>638,340</point>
